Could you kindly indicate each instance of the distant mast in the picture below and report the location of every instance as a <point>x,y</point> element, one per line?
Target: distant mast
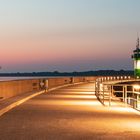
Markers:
<point>136,58</point>
<point>137,46</point>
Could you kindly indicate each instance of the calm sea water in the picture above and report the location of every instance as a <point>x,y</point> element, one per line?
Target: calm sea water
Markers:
<point>19,78</point>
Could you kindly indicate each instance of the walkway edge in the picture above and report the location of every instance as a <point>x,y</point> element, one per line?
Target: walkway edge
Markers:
<point>17,103</point>
<point>67,85</point>
<point>11,106</point>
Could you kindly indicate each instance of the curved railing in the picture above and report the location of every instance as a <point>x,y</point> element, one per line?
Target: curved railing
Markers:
<point>104,87</point>
<point>111,88</point>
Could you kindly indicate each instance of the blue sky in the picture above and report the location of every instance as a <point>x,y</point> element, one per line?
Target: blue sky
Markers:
<point>67,35</point>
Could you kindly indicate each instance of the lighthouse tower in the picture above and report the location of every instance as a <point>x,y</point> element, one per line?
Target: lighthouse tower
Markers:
<point>136,58</point>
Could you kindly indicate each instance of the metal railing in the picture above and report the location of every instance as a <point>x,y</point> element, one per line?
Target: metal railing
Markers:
<point>110,89</point>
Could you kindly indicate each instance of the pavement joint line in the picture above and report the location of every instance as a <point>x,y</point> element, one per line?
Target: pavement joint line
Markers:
<point>19,102</point>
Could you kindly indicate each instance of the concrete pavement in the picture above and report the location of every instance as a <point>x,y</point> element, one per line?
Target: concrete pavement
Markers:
<point>69,113</point>
<point>8,104</point>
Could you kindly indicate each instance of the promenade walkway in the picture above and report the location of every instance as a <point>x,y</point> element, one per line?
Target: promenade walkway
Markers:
<point>70,113</point>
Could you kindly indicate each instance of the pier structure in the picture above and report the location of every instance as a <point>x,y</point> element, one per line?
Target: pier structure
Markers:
<point>69,108</point>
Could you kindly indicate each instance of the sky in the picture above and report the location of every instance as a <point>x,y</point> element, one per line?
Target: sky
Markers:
<point>67,35</point>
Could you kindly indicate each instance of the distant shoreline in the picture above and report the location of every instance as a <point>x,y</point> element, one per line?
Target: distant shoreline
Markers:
<point>56,73</point>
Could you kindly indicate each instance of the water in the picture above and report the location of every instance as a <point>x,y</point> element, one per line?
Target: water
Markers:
<point>20,78</point>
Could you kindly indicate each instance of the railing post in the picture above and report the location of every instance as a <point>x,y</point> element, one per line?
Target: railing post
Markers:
<point>112,92</point>
<point>103,94</point>
<point>123,94</point>
<point>110,95</point>
<point>96,87</point>
<point>137,101</point>
<point>133,101</point>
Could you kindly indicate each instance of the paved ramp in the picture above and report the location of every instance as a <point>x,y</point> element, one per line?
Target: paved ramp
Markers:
<point>71,113</point>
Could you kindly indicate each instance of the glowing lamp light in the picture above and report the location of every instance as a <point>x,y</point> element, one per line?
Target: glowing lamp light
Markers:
<point>136,87</point>
<point>138,64</point>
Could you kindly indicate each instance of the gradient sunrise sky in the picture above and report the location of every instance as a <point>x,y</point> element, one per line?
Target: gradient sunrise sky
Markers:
<point>67,35</point>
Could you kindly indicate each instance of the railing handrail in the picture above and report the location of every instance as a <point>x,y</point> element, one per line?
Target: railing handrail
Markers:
<point>104,85</point>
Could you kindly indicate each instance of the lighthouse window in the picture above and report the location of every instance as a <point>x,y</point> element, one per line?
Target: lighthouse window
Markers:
<point>138,64</point>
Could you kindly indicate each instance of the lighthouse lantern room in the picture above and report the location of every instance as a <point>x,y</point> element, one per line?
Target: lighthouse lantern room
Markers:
<point>136,58</point>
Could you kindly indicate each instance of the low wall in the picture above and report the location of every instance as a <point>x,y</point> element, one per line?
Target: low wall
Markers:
<point>16,87</point>
<point>54,82</point>
<point>79,79</point>
<point>90,79</point>
<point>12,88</point>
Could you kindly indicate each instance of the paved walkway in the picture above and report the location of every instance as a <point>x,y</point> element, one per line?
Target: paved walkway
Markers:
<point>71,113</point>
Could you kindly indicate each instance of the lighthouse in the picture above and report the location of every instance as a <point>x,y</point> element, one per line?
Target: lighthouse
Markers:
<point>136,58</point>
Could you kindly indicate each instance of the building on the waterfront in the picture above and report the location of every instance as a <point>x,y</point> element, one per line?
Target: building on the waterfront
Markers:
<point>136,58</point>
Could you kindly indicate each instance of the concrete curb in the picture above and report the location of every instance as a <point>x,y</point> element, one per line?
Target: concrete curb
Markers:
<point>11,106</point>
<point>67,85</point>
<point>17,103</point>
